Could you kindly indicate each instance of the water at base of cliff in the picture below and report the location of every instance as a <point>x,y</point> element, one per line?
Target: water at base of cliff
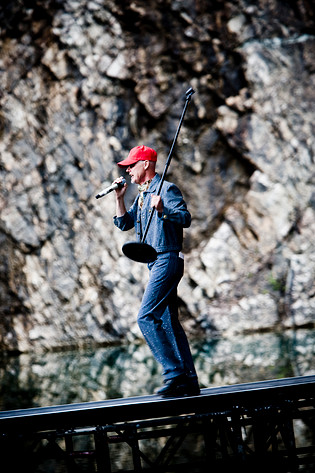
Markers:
<point>31,380</point>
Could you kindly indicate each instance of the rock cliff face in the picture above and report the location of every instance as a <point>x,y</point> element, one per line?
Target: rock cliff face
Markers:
<point>83,81</point>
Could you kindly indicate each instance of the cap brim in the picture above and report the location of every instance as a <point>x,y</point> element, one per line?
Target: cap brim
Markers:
<point>126,162</point>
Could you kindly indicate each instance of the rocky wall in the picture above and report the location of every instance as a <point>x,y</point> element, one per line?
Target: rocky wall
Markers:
<point>83,81</point>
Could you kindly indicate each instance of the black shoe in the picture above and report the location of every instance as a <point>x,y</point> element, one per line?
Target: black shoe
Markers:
<point>180,386</point>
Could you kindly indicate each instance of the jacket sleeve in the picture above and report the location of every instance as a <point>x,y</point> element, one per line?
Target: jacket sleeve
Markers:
<point>127,221</point>
<point>174,207</point>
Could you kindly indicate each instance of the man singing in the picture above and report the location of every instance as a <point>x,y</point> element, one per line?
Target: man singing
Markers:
<point>158,314</point>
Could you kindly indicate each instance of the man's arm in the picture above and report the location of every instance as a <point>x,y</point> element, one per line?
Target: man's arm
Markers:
<point>120,207</point>
<point>172,207</point>
<point>157,203</point>
<point>123,219</point>
<point>120,198</point>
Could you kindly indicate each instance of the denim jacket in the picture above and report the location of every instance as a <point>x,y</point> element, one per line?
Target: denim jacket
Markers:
<point>165,232</point>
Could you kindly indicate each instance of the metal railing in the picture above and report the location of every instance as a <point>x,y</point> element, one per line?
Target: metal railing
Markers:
<point>251,427</point>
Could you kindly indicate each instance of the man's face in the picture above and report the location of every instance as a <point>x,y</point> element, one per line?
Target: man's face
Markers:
<point>137,172</point>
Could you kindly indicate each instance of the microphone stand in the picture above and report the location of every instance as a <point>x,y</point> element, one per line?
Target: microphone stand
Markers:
<point>141,251</point>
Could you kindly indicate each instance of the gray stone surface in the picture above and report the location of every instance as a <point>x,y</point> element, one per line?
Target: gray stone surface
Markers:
<point>84,81</point>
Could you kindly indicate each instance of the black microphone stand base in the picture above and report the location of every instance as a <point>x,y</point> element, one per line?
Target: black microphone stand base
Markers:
<point>140,252</point>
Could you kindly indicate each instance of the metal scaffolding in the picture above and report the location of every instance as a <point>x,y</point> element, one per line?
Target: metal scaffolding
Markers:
<point>251,427</point>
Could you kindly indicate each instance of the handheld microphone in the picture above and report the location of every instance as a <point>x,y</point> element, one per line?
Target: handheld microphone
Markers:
<point>110,189</point>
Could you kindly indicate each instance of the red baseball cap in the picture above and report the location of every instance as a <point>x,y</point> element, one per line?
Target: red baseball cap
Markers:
<point>139,153</point>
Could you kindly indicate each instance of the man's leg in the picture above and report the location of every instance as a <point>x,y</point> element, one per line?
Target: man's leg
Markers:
<point>173,329</point>
<point>158,318</point>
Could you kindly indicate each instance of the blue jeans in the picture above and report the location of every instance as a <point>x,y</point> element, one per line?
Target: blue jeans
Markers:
<point>158,317</point>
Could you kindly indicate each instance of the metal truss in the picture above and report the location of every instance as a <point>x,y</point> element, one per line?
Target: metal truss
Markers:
<point>251,427</point>
<point>252,439</point>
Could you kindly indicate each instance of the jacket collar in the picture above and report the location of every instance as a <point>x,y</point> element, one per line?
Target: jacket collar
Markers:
<point>154,183</point>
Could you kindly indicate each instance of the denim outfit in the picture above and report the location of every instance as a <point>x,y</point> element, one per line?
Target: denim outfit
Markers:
<point>158,314</point>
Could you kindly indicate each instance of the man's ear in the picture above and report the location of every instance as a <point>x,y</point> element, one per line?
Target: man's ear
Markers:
<point>146,165</point>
